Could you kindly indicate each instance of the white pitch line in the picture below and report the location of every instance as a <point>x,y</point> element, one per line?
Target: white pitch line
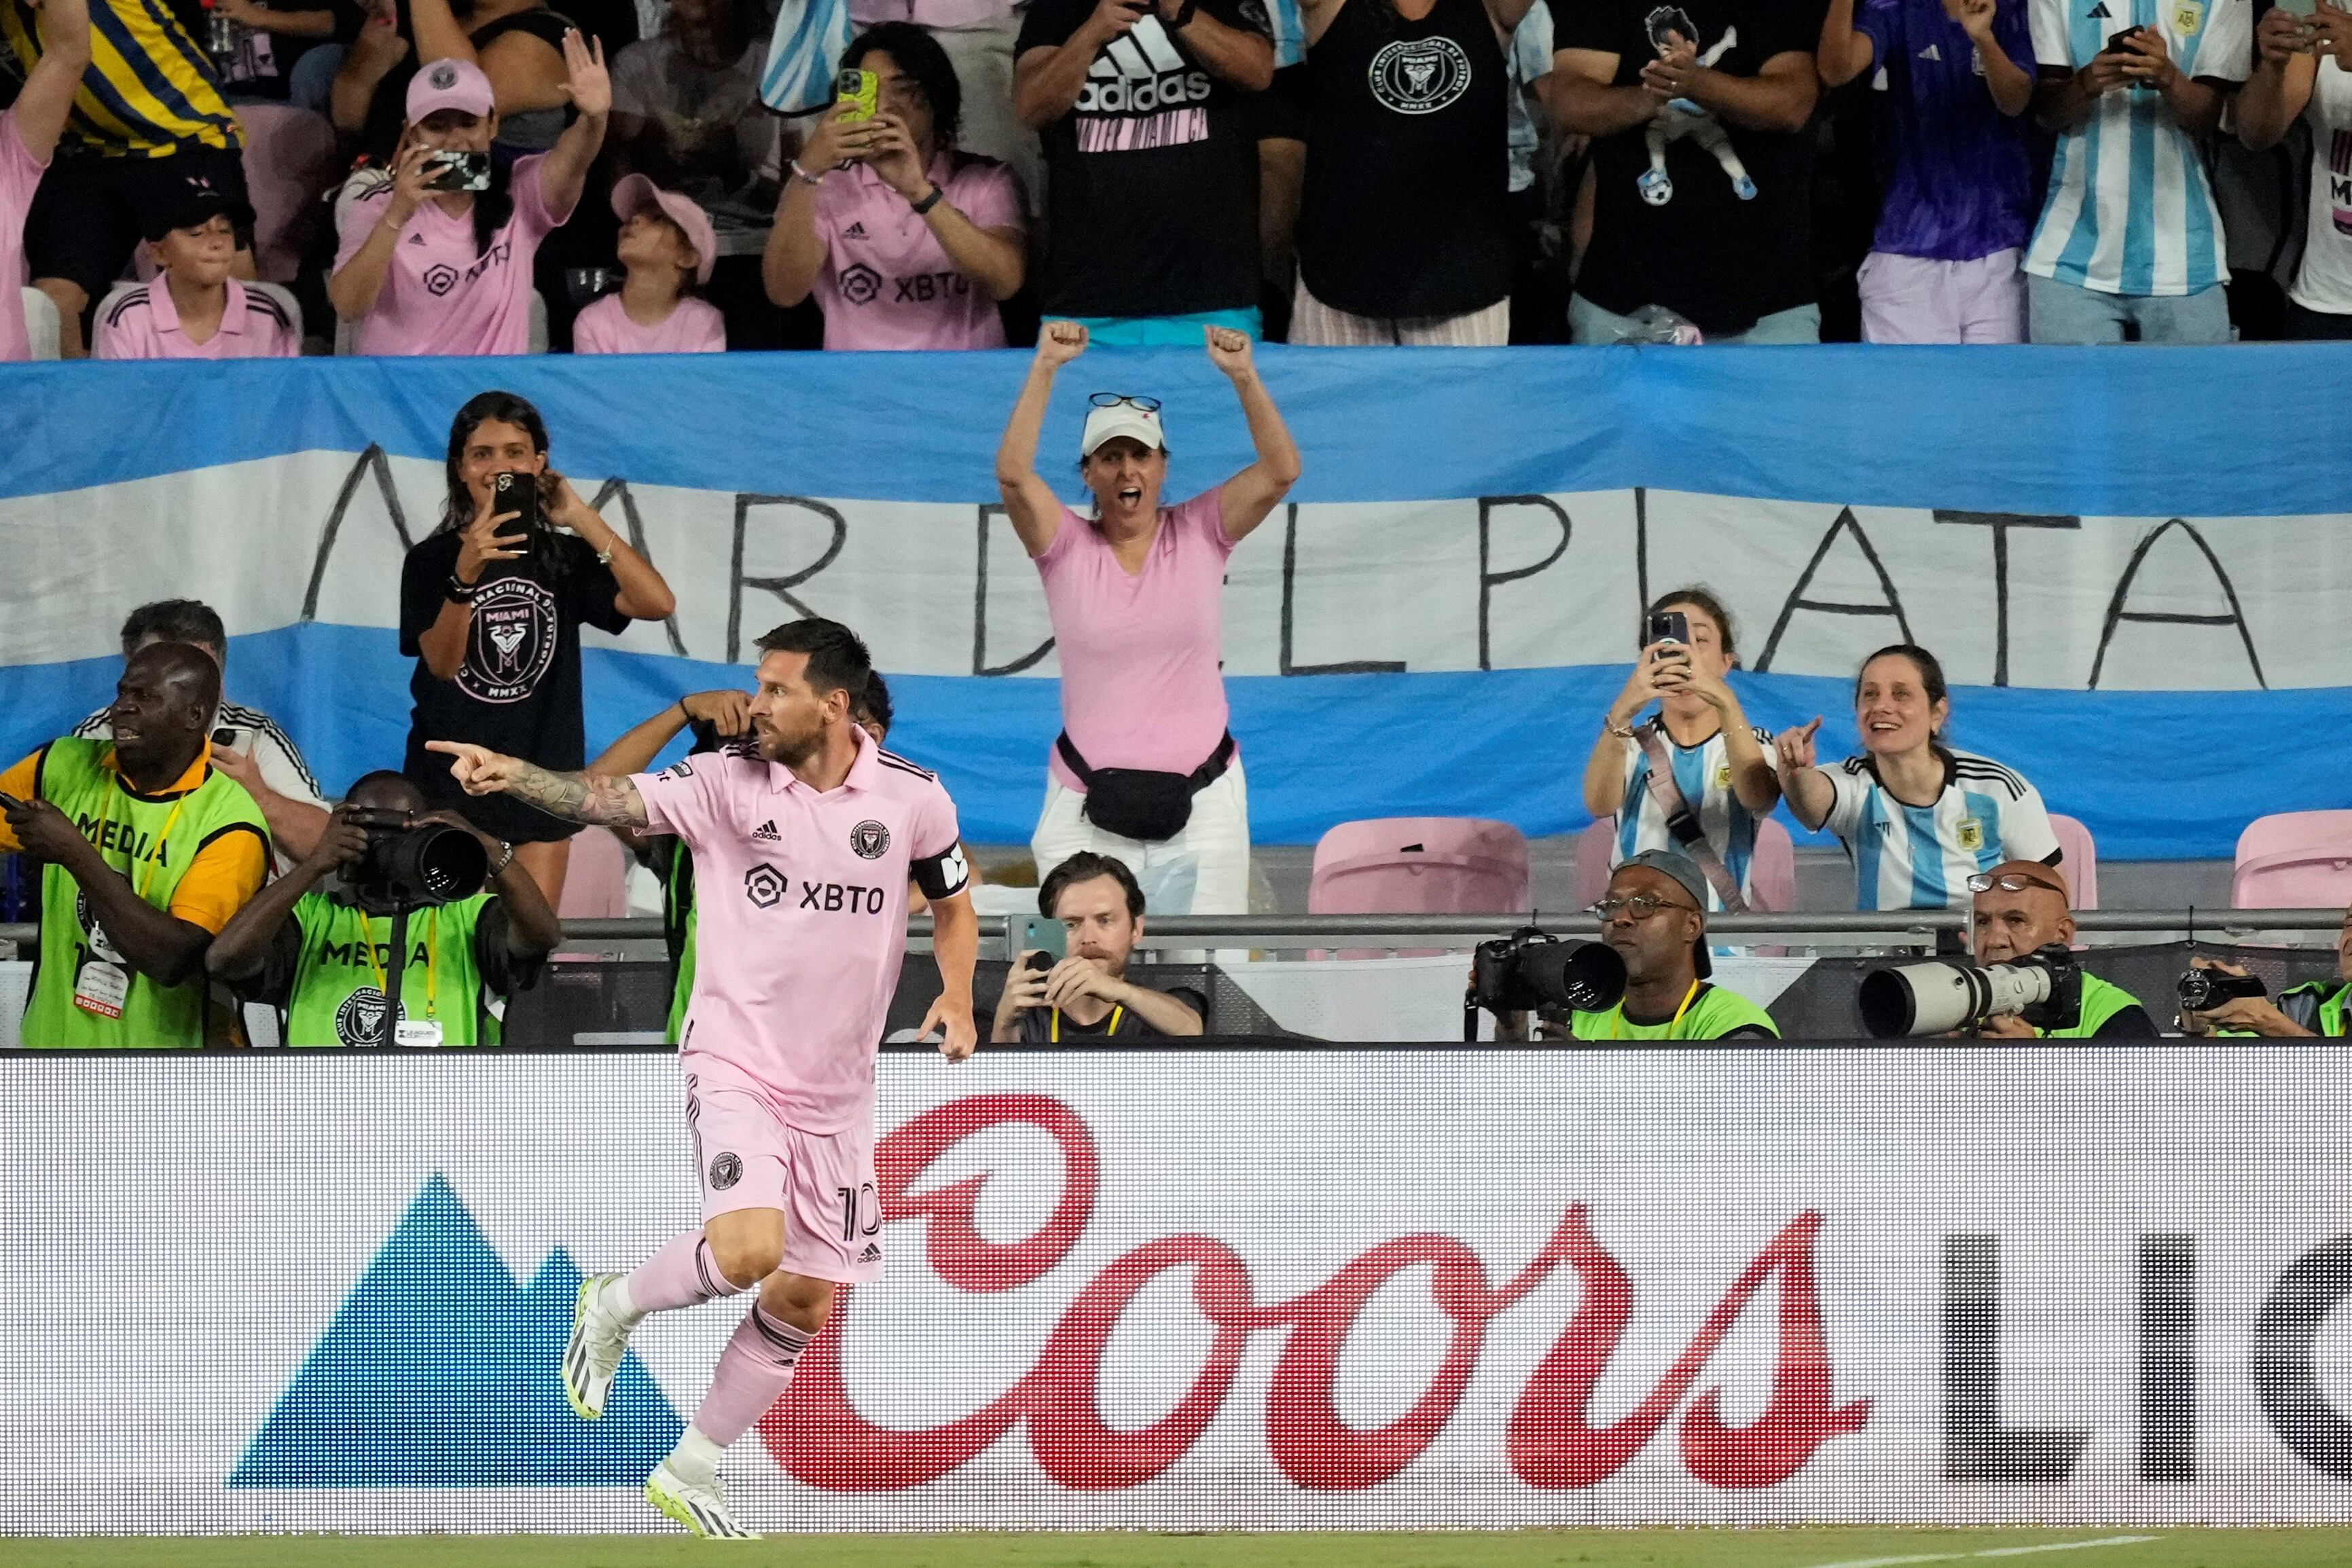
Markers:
<point>1994,1552</point>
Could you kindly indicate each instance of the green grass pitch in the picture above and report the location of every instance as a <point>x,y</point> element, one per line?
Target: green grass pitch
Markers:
<point>1844,1547</point>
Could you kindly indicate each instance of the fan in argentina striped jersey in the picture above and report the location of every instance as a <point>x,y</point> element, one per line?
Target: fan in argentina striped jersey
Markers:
<point>1916,817</point>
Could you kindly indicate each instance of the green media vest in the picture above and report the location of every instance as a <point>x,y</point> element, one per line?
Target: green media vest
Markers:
<point>2101,1001</point>
<point>1714,1013</point>
<point>335,997</point>
<point>152,839</point>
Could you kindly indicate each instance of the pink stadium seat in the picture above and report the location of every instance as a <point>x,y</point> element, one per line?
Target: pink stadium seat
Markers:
<point>2081,860</point>
<point>1771,882</point>
<point>290,159</point>
<point>2294,860</point>
<point>1419,865</point>
<point>596,883</point>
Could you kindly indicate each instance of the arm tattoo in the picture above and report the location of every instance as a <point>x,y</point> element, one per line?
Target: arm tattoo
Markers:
<point>590,797</point>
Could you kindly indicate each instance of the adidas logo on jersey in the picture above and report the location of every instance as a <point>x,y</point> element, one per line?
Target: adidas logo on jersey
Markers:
<point>855,231</point>
<point>1932,53</point>
<point>2099,13</point>
<point>417,238</point>
<point>765,833</point>
<point>1139,73</point>
<point>873,1254</point>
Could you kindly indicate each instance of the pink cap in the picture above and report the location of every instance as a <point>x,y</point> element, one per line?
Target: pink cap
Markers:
<point>634,194</point>
<point>449,84</point>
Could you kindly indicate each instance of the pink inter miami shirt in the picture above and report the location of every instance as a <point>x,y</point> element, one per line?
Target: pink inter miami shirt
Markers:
<point>801,900</point>
<point>444,293</point>
<point>144,324</point>
<point>695,327</point>
<point>1140,682</point>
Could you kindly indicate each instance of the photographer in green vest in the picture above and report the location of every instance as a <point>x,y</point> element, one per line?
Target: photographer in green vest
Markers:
<point>146,850</point>
<point>317,943</point>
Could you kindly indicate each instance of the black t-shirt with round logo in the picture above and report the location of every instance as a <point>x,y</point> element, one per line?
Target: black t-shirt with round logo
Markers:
<point>1151,178</point>
<point>1408,163</point>
<point>517,690</point>
<point>1726,236</point>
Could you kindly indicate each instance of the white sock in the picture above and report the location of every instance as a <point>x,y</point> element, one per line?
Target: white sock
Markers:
<point>696,1459</point>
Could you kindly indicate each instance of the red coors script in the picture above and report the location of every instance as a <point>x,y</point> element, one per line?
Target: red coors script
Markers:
<point>819,1439</point>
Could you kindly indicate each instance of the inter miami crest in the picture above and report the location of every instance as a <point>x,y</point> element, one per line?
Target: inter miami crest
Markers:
<point>363,1017</point>
<point>870,839</point>
<point>725,1172</point>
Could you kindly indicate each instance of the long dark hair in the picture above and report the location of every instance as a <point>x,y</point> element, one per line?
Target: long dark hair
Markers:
<point>919,56</point>
<point>457,509</point>
<point>493,210</point>
<point>1931,677</point>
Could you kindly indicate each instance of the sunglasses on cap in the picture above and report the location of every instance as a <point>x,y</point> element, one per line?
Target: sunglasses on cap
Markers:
<point>1113,400</point>
<point>2012,882</point>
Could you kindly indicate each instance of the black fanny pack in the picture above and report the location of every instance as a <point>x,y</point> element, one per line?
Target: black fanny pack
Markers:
<point>1137,803</point>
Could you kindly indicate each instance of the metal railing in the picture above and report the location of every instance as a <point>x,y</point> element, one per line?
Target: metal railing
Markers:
<point>1842,929</point>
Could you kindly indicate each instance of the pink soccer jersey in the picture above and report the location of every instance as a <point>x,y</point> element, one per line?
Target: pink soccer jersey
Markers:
<point>801,904</point>
<point>887,282</point>
<point>444,292</point>
<point>695,327</point>
<point>143,324</point>
<point>19,178</point>
<point>1140,682</point>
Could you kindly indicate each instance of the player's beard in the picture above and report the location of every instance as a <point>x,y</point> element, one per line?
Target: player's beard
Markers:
<point>791,751</point>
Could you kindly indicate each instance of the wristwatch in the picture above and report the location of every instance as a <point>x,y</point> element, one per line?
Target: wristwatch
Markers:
<point>506,858</point>
<point>927,203</point>
<point>459,591</point>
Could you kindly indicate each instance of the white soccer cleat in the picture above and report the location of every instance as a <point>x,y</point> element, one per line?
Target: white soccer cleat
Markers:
<point>702,1510</point>
<point>599,1339</point>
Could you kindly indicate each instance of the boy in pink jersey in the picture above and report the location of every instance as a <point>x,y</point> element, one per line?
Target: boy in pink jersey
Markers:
<point>193,309</point>
<point>29,129</point>
<point>665,240</point>
<point>804,840</point>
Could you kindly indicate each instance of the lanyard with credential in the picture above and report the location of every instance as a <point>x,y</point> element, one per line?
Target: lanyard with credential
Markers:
<point>1054,1035</point>
<point>432,967</point>
<point>1617,1022</point>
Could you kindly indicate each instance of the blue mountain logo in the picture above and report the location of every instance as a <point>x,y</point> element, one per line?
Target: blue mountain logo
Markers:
<point>441,1371</point>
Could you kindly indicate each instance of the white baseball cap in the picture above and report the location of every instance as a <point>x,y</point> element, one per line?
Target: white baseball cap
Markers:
<point>1125,417</point>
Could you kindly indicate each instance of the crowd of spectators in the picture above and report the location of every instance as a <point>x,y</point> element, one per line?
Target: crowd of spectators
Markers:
<point>488,176</point>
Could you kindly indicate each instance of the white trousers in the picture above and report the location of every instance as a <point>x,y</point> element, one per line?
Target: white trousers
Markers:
<point>1204,870</point>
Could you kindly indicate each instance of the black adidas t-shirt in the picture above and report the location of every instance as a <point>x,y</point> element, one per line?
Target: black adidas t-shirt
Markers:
<point>1151,180</point>
<point>517,690</point>
<point>1701,243</point>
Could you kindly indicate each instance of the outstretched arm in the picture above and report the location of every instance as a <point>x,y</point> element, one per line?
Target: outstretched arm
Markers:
<point>592,798</point>
<point>49,90</point>
<point>1035,510</point>
<point>1246,497</point>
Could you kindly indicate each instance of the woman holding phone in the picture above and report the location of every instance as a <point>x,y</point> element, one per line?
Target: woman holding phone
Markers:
<point>1918,818</point>
<point>438,260</point>
<point>491,609</point>
<point>1698,747</point>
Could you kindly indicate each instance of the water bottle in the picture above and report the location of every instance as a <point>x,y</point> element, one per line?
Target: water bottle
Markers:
<point>221,36</point>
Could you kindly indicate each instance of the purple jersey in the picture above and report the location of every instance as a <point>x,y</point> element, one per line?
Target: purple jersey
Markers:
<point>1958,179</point>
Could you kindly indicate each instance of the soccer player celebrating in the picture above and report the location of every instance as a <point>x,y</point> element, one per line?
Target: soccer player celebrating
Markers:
<point>804,840</point>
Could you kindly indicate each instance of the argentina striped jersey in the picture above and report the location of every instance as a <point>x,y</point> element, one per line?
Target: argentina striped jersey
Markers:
<point>1703,774</point>
<point>2130,209</point>
<point>1921,857</point>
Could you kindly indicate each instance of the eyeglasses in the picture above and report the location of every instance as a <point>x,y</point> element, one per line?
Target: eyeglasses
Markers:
<point>1113,400</point>
<point>1985,882</point>
<point>1641,907</point>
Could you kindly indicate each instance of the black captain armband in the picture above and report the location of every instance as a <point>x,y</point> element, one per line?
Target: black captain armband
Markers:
<point>943,875</point>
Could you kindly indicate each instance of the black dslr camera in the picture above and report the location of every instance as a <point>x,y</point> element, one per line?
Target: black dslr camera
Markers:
<point>2202,991</point>
<point>1531,969</point>
<point>415,866</point>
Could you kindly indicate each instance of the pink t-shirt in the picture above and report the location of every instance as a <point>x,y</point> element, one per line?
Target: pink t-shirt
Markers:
<point>144,324</point>
<point>887,282</point>
<point>19,178</point>
<point>1140,684</point>
<point>445,295</point>
<point>694,328</point>
<point>801,904</point>
<point>864,14</point>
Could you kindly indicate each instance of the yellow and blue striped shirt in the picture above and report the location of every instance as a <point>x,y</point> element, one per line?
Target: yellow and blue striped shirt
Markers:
<point>149,90</point>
